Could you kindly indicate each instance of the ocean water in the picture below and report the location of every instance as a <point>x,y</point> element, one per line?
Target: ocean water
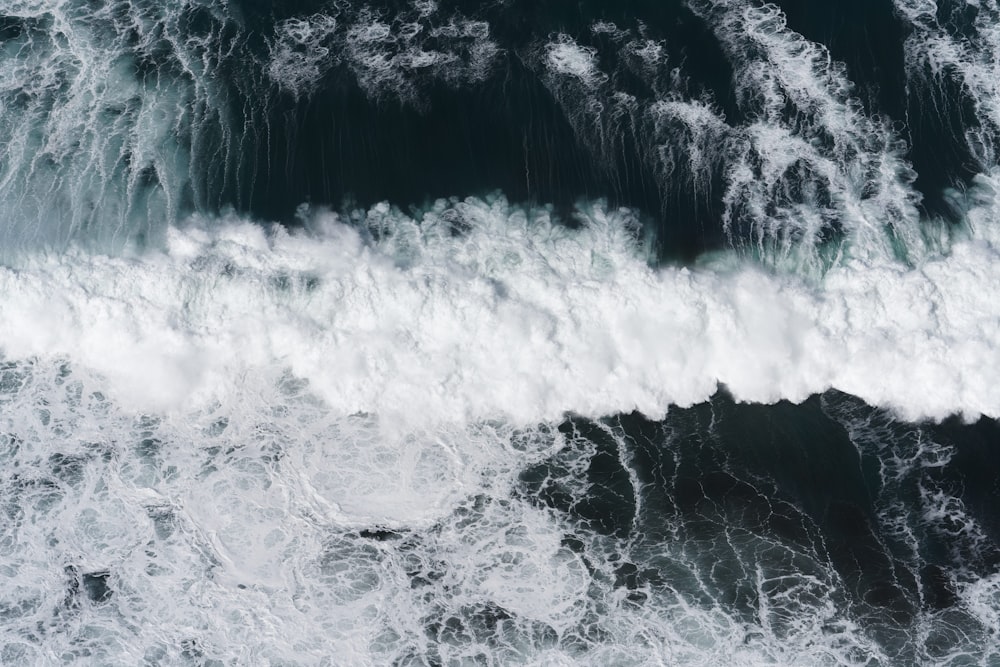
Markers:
<point>499,333</point>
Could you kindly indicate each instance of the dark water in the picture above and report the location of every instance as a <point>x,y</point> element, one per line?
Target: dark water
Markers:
<point>829,488</point>
<point>369,126</point>
<point>511,133</point>
<point>799,137</point>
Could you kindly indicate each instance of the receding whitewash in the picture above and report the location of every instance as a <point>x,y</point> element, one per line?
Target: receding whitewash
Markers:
<point>93,146</point>
<point>301,52</point>
<point>519,318</point>
<point>854,159</point>
<point>387,53</point>
<point>704,130</point>
<point>650,52</point>
<point>565,56</point>
<point>610,29</point>
<point>962,47</point>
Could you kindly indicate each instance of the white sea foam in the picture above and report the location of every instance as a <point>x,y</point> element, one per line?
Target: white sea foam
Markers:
<point>222,539</point>
<point>94,148</point>
<point>213,424</point>
<point>608,28</point>
<point>963,49</point>
<point>120,118</point>
<point>390,55</point>
<point>227,517</point>
<point>302,53</point>
<point>565,56</point>
<point>518,318</point>
<point>849,171</point>
<point>807,166</point>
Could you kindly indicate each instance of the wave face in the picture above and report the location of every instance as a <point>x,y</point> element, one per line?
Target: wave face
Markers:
<point>456,333</point>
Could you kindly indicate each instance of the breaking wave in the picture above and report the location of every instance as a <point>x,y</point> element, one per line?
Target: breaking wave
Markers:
<point>682,368</point>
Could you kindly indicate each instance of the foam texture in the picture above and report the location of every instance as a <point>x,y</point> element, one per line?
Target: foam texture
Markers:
<point>481,310</point>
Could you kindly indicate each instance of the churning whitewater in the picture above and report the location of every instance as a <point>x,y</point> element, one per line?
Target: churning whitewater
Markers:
<point>448,333</point>
<point>515,318</point>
